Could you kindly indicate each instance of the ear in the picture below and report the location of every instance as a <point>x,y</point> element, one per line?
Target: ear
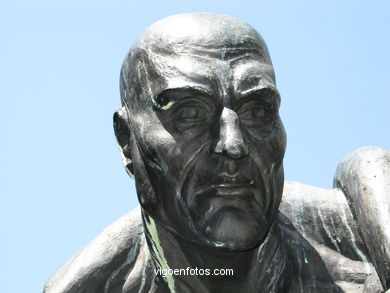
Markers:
<point>146,194</point>
<point>123,136</point>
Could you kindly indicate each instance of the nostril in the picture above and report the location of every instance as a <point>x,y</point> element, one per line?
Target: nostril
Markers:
<point>235,152</point>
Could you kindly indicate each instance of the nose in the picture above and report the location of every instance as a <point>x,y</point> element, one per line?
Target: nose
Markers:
<point>230,141</point>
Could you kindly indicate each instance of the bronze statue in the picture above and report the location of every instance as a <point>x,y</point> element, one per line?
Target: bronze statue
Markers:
<point>199,129</point>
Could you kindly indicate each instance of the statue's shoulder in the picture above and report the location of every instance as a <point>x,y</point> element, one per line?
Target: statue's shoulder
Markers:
<point>324,217</point>
<point>364,177</point>
<point>321,238</point>
<point>102,259</point>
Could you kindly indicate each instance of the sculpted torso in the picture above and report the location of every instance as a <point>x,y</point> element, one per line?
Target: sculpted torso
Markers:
<point>200,132</point>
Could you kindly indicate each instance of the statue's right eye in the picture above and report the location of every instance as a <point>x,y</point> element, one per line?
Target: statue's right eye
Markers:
<point>189,114</point>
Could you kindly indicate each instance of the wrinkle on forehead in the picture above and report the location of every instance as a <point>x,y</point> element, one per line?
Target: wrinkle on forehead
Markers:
<point>178,72</point>
<point>209,74</point>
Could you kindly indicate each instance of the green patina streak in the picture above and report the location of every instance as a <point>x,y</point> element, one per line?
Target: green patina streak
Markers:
<point>159,252</point>
<point>163,107</point>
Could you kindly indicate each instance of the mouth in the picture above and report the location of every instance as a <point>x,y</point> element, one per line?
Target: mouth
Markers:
<point>228,190</point>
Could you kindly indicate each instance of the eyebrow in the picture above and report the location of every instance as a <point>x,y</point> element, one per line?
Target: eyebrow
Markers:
<point>262,91</point>
<point>174,94</point>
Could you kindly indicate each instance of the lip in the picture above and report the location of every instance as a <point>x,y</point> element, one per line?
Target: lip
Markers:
<point>230,190</point>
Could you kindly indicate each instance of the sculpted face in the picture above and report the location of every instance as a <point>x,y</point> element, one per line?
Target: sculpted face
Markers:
<point>200,128</point>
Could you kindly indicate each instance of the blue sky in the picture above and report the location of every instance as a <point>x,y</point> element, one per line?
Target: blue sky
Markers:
<point>61,178</point>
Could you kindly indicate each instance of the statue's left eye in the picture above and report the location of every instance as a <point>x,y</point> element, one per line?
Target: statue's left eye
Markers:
<point>256,116</point>
<point>255,113</point>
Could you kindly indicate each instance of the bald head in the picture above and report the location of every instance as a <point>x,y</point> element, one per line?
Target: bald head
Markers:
<point>188,33</point>
<point>168,45</point>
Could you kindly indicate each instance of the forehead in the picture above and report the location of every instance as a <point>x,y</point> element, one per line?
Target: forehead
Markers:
<point>210,71</point>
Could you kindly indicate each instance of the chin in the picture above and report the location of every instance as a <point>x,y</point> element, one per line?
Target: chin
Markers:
<point>233,229</point>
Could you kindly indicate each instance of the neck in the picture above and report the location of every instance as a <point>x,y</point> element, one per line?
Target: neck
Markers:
<point>260,269</point>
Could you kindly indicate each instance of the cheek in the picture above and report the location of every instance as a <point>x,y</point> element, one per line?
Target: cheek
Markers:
<point>170,155</point>
<point>270,146</point>
<point>156,144</point>
<point>277,142</point>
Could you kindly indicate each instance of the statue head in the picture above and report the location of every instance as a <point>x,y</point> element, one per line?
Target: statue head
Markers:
<point>200,130</point>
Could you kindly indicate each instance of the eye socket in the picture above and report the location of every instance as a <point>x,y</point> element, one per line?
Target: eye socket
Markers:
<point>255,115</point>
<point>191,114</point>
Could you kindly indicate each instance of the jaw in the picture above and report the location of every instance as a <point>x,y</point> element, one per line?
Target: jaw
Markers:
<point>236,225</point>
<point>232,217</point>
<point>234,229</point>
